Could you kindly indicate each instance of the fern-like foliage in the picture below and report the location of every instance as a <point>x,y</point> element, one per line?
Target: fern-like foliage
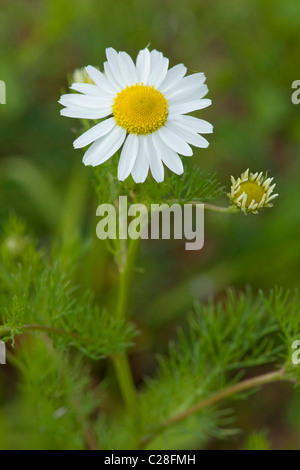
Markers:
<point>58,399</point>
<point>220,343</point>
<point>284,304</point>
<point>38,295</point>
<point>218,346</point>
<point>257,441</point>
<point>196,185</point>
<point>214,350</point>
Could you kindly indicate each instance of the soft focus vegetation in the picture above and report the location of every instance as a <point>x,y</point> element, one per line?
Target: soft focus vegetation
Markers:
<point>58,390</point>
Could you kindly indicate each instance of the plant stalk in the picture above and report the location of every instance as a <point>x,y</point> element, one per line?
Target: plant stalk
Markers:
<point>126,278</point>
<point>121,362</point>
<point>224,210</point>
<point>213,399</point>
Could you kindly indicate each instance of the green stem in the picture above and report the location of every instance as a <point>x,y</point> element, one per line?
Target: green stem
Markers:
<point>6,331</point>
<point>126,383</point>
<point>121,362</point>
<point>226,210</point>
<point>126,278</point>
<point>213,399</point>
<point>211,207</point>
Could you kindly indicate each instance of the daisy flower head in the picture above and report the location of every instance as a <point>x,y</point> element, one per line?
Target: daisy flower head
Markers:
<point>81,76</point>
<point>252,192</point>
<point>143,110</point>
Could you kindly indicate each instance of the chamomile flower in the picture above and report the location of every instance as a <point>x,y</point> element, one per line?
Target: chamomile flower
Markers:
<point>81,76</point>
<point>252,192</point>
<point>143,110</point>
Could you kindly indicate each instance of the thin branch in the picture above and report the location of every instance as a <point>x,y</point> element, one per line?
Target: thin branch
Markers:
<point>126,382</point>
<point>212,207</point>
<point>121,361</point>
<point>225,210</point>
<point>213,399</point>
<point>91,440</point>
<point>6,331</point>
<point>126,278</point>
<point>50,329</point>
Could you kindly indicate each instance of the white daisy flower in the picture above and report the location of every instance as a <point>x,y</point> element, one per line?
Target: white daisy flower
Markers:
<point>144,106</point>
<point>252,192</point>
<point>81,76</point>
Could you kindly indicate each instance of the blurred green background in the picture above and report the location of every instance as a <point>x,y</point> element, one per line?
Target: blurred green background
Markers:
<point>249,51</point>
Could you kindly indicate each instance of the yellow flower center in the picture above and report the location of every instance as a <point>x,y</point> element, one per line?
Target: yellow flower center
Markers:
<point>140,109</point>
<point>253,191</point>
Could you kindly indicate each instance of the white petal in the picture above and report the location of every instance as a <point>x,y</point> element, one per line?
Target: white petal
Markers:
<point>173,77</point>
<point>272,197</point>
<point>197,89</point>
<point>191,81</point>
<point>159,72</point>
<point>94,133</point>
<point>128,156</point>
<point>168,156</point>
<point>89,89</point>
<point>111,78</point>
<point>100,79</point>
<point>141,166</point>
<point>175,142</point>
<point>198,125</point>
<point>155,57</point>
<point>156,166</point>
<point>188,94</point>
<point>84,101</point>
<point>114,65</point>
<point>188,107</point>
<point>128,69</point>
<point>84,113</point>
<point>102,149</point>
<point>188,135</point>
<point>143,66</point>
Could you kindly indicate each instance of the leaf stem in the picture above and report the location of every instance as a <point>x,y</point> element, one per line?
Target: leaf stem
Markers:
<point>126,383</point>
<point>121,362</point>
<point>213,399</point>
<point>6,331</point>
<point>212,207</point>
<point>126,278</point>
<point>226,210</point>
